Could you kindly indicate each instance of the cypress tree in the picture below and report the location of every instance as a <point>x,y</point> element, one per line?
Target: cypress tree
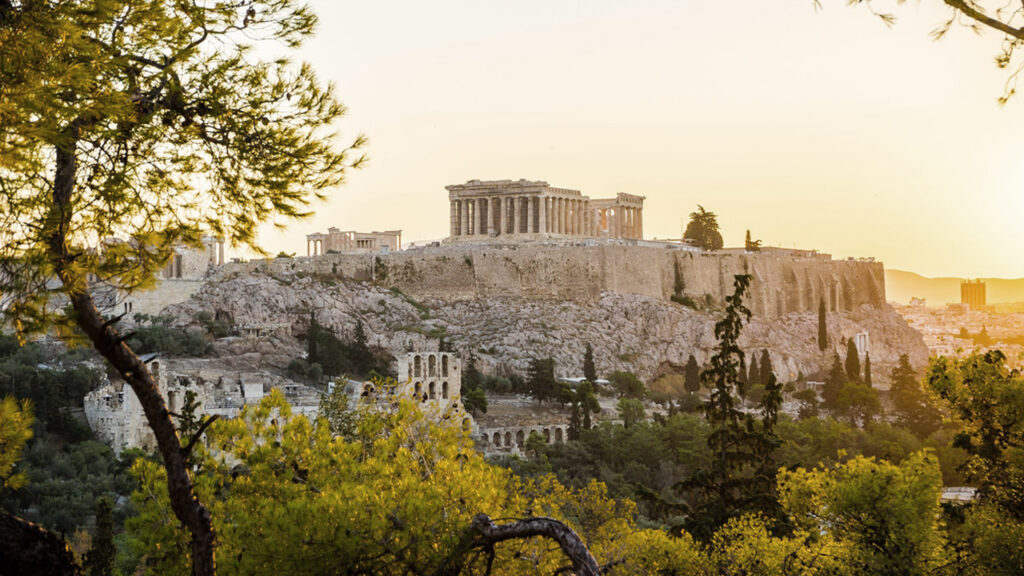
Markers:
<point>867,368</point>
<point>692,379</point>
<point>313,340</point>
<point>755,373</point>
<point>852,362</point>
<point>100,558</point>
<point>822,327</point>
<point>589,370</point>
<point>767,370</point>
<point>834,382</point>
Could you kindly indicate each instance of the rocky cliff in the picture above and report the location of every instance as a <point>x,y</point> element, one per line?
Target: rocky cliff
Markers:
<point>508,305</point>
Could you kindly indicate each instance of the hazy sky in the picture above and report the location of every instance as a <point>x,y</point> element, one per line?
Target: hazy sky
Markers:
<point>813,129</point>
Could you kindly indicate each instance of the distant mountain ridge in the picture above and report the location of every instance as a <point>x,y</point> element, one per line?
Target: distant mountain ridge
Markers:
<point>901,285</point>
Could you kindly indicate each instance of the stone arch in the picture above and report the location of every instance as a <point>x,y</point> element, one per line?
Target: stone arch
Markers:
<point>547,435</point>
<point>497,439</point>
<point>417,363</point>
<point>483,439</point>
<point>431,365</point>
<point>558,435</point>
<point>508,439</point>
<point>432,390</point>
<point>520,438</point>
<point>444,389</point>
<point>419,389</point>
<point>444,365</point>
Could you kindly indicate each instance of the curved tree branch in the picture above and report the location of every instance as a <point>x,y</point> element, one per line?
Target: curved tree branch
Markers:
<point>486,534</point>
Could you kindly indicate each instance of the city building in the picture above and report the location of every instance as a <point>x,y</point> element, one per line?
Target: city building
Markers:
<point>972,293</point>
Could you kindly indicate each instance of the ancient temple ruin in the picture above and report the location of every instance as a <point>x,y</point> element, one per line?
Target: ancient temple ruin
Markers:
<point>342,241</point>
<point>524,209</point>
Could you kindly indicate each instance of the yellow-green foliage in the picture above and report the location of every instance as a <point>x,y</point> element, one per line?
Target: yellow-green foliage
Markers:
<point>871,517</point>
<point>15,430</point>
<point>396,497</point>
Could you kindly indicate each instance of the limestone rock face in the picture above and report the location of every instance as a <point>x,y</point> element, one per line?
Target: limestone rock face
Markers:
<point>508,322</point>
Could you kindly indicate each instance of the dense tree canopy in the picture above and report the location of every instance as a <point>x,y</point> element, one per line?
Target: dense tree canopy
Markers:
<point>702,230</point>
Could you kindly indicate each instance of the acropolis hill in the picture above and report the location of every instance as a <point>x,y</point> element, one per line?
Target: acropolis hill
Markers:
<point>510,303</point>
<point>533,271</point>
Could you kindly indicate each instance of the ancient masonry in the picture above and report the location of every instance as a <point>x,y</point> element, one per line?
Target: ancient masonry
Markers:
<point>525,209</point>
<point>338,241</point>
<point>430,378</point>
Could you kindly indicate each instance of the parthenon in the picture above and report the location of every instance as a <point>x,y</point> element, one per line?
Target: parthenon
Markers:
<point>525,209</point>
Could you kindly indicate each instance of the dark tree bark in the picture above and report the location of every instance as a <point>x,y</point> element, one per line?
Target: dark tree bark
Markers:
<point>26,548</point>
<point>108,342</point>
<point>487,534</point>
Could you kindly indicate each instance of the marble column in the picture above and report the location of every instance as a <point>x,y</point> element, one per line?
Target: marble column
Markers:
<point>562,220</point>
<point>463,221</point>
<point>515,214</point>
<point>530,210</point>
<point>454,228</point>
<point>542,218</point>
<point>640,223</point>
<point>580,231</point>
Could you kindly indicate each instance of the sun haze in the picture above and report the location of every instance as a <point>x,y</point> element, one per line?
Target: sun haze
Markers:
<point>815,129</point>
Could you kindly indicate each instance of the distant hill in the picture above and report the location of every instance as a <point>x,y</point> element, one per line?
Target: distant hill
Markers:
<point>900,286</point>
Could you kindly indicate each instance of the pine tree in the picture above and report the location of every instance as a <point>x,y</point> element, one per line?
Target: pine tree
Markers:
<point>100,559</point>
<point>822,326</point>
<point>589,369</point>
<point>159,124</point>
<point>852,361</point>
<point>867,369</point>
<point>702,230</point>
<point>692,375</point>
<point>729,486</point>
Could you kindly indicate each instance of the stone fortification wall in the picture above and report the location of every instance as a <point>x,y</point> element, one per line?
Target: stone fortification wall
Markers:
<point>780,285</point>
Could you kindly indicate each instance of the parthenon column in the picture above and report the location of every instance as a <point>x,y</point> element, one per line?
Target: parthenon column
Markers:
<point>463,220</point>
<point>579,218</point>
<point>640,223</point>
<point>572,217</point>
<point>561,215</point>
<point>617,232</point>
<point>515,214</point>
<point>529,214</point>
<point>542,222</point>
<point>453,228</point>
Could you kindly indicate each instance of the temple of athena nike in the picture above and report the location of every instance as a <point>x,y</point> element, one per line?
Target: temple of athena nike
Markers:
<point>522,209</point>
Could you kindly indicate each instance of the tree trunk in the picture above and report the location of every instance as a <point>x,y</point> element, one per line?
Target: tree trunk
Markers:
<point>108,343</point>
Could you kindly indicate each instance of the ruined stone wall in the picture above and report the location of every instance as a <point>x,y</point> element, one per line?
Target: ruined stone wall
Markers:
<point>780,284</point>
